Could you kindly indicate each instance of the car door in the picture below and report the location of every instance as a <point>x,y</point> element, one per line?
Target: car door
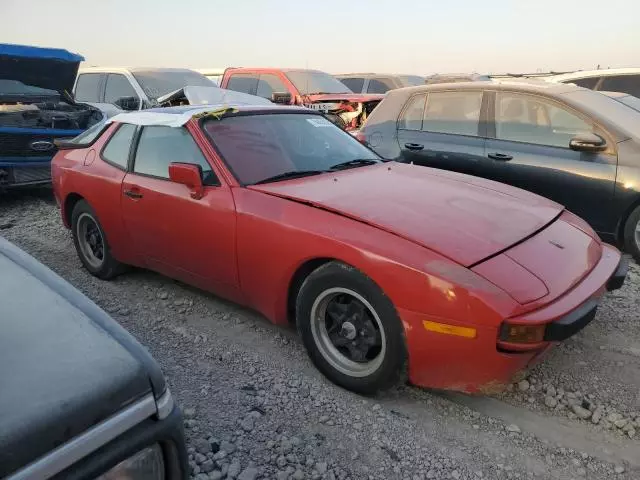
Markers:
<point>186,238</point>
<point>442,129</point>
<point>531,149</point>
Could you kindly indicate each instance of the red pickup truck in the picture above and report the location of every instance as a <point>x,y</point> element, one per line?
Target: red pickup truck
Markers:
<point>310,88</point>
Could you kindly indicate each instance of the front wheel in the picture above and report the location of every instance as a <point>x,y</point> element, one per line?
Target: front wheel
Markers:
<point>632,234</point>
<point>350,329</point>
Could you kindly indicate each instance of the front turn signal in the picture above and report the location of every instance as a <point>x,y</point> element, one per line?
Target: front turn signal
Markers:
<point>522,333</point>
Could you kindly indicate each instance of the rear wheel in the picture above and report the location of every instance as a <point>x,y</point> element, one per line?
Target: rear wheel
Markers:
<point>91,243</point>
<point>350,329</point>
<point>632,234</point>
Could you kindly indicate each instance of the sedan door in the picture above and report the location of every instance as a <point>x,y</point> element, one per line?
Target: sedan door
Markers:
<point>442,129</point>
<point>186,238</point>
<point>531,149</point>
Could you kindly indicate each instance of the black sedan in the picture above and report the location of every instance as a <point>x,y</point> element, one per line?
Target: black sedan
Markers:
<point>575,146</point>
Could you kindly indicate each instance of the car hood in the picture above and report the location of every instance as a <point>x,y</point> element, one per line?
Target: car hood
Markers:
<point>464,218</point>
<point>349,97</point>
<point>48,68</point>
<point>63,371</point>
<point>211,96</point>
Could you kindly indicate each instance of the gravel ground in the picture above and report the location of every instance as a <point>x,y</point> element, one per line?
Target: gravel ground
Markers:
<point>255,407</point>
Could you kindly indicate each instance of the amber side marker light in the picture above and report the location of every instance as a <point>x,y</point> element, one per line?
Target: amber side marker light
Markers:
<point>443,328</point>
<point>522,333</point>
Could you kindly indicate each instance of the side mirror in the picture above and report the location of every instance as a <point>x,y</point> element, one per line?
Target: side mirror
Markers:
<point>588,142</point>
<point>190,175</point>
<point>128,103</point>
<point>283,98</point>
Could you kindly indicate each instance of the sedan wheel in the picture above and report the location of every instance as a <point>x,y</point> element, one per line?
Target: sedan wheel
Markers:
<point>350,329</point>
<point>348,332</point>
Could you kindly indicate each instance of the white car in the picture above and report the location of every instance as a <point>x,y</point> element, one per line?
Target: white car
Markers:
<point>113,89</point>
<point>625,80</point>
<point>213,74</point>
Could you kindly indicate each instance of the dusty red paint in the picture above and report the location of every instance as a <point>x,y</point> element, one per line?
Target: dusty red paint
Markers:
<point>413,230</point>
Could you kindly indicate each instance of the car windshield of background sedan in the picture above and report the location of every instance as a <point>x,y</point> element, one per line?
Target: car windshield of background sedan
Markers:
<point>308,82</point>
<point>630,101</point>
<point>257,148</point>
<point>156,83</point>
<point>411,80</point>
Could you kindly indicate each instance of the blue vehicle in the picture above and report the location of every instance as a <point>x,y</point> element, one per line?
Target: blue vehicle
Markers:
<point>36,108</point>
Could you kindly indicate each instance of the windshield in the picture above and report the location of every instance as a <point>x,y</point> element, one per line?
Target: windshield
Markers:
<point>411,80</point>
<point>602,106</point>
<point>156,83</point>
<point>631,101</point>
<point>309,81</point>
<point>258,147</point>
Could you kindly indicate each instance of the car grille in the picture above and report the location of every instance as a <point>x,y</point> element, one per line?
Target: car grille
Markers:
<point>19,145</point>
<point>24,175</point>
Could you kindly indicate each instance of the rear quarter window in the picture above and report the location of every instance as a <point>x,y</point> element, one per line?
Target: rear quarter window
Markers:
<point>116,151</point>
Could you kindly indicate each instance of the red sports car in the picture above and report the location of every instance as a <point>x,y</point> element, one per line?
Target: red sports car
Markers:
<point>384,267</point>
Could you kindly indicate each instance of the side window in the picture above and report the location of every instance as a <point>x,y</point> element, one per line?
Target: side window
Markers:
<point>268,84</point>
<point>622,83</point>
<point>380,85</point>
<point>118,87</point>
<point>243,82</point>
<point>354,84</point>
<point>522,118</point>
<point>160,146</point>
<point>87,87</point>
<point>117,149</point>
<point>411,118</point>
<point>589,82</point>
<point>453,112</point>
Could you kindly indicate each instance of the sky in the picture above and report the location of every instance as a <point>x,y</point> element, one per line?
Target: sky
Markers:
<point>393,36</point>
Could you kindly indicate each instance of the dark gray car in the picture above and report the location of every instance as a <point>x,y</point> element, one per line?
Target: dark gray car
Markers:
<point>378,82</point>
<point>572,145</point>
<point>79,396</point>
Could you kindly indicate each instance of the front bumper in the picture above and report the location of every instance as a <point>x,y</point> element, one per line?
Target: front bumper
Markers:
<point>484,364</point>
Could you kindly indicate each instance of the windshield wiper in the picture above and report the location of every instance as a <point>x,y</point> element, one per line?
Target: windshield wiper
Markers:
<point>359,162</point>
<point>292,174</point>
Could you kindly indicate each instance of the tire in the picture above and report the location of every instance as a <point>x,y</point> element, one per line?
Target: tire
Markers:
<point>337,296</point>
<point>84,224</point>
<point>632,234</point>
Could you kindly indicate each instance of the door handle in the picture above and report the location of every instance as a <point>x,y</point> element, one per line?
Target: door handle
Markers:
<point>500,156</point>
<point>133,194</point>
<point>414,146</point>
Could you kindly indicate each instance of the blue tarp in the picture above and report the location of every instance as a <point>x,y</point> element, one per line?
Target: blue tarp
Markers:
<point>28,51</point>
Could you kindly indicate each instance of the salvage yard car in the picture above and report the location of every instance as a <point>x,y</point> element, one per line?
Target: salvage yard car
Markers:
<point>626,80</point>
<point>35,109</point>
<point>378,82</point>
<point>132,88</point>
<point>310,88</point>
<point>80,397</point>
<point>575,146</point>
<point>380,264</point>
